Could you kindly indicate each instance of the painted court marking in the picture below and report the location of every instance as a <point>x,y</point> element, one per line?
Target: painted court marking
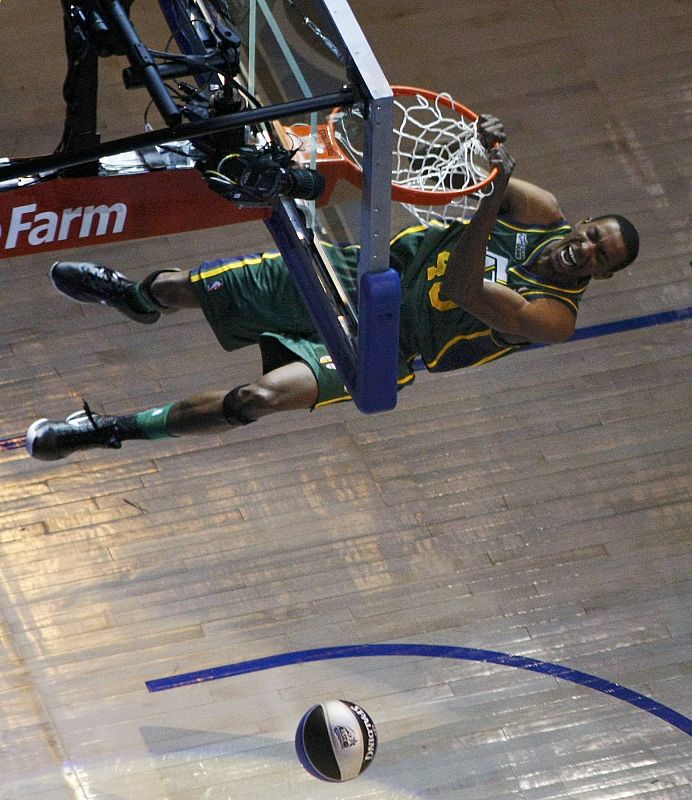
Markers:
<point>431,651</point>
<point>641,701</point>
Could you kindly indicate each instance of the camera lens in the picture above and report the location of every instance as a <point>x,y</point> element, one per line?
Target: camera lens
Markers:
<point>303,184</point>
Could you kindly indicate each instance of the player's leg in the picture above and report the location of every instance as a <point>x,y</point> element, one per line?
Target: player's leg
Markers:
<point>139,300</point>
<point>170,290</point>
<point>289,387</point>
<point>213,287</point>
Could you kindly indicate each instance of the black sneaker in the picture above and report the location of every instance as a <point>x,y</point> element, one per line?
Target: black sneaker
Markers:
<point>50,441</point>
<point>94,283</point>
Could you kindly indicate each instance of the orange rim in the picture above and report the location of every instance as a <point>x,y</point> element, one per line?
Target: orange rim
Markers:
<point>404,194</point>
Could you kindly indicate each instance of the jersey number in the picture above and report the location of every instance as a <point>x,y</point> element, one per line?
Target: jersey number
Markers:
<point>495,269</point>
<point>438,271</point>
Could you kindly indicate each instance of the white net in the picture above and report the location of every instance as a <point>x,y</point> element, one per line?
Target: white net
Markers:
<point>435,149</point>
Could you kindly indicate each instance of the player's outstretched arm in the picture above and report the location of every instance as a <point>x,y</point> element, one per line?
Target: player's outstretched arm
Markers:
<point>496,305</point>
<point>521,200</point>
<point>525,202</point>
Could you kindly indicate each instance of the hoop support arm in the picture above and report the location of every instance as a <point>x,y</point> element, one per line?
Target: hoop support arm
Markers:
<point>366,355</point>
<point>188,130</point>
<point>193,65</point>
<point>142,61</point>
<point>294,240</point>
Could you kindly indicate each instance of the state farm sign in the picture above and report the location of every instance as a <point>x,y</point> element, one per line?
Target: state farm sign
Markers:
<point>75,212</point>
<point>29,226</point>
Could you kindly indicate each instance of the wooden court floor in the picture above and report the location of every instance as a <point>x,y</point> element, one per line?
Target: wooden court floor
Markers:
<point>499,570</point>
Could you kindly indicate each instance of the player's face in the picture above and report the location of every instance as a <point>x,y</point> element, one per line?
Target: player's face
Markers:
<point>591,250</point>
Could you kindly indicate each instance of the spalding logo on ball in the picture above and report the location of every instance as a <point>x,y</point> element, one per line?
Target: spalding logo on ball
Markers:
<point>336,740</point>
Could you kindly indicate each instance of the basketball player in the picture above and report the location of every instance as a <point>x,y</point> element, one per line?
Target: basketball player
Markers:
<point>471,293</point>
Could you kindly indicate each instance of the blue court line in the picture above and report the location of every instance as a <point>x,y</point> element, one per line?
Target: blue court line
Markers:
<point>17,440</point>
<point>429,651</point>
<point>645,321</point>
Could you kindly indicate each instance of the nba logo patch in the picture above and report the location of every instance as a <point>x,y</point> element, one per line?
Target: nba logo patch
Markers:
<point>520,246</point>
<point>214,286</point>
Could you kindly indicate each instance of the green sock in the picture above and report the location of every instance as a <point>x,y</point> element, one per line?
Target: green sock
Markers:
<point>139,299</point>
<point>153,423</point>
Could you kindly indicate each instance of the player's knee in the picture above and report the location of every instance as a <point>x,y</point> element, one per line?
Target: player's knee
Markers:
<point>237,406</point>
<point>287,388</point>
<point>247,403</point>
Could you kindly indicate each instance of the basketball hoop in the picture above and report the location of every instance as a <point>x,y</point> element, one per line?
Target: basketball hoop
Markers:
<point>439,166</point>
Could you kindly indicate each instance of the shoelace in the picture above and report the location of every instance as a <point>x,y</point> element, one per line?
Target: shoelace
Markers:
<point>114,440</point>
<point>104,274</point>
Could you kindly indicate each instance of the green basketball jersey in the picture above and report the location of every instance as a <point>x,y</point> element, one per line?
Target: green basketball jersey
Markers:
<point>248,299</point>
<point>443,334</point>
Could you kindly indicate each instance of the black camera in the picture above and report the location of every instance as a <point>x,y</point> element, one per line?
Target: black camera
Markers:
<point>254,177</point>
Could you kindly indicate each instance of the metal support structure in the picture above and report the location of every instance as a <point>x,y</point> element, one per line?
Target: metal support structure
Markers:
<point>189,130</point>
<point>377,153</point>
<point>364,350</point>
<point>379,291</point>
<point>295,241</point>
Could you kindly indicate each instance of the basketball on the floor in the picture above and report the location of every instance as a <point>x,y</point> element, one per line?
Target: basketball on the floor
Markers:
<point>336,740</point>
